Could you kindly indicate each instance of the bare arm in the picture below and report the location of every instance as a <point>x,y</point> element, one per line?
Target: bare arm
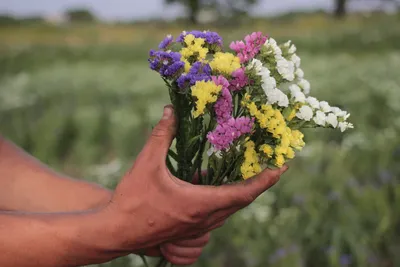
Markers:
<point>28,185</point>
<point>49,240</point>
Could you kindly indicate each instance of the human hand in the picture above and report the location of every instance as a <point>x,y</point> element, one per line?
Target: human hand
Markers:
<point>150,206</point>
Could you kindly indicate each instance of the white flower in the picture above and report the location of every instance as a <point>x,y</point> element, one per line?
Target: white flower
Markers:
<point>313,102</point>
<point>320,118</point>
<point>296,60</point>
<point>305,85</point>
<point>325,106</point>
<point>292,49</point>
<point>297,94</point>
<point>268,83</point>
<point>340,113</point>
<point>332,120</point>
<point>294,88</point>
<point>305,113</point>
<point>345,125</point>
<point>271,43</point>
<point>299,97</point>
<point>256,65</point>
<point>299,73</point>
<point>285,68</point>
<point>277,96</point>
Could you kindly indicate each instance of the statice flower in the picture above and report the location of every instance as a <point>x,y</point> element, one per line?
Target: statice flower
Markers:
<point>168,64</point>
<point>223,107</point>
<point>211,38</point>
<point>250,47</point>
<point>225,133</point>
<point>198,72</point>
<point>239,80</point>
<point>166,42</point>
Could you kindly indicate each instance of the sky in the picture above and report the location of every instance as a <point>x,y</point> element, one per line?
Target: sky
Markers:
<point>142,9</point>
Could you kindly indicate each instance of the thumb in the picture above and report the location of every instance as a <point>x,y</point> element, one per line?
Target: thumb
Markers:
<point>242,194</point>
<point>162,135</point>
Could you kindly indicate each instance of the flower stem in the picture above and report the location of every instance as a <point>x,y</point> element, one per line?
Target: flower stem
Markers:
<point>144,261</point>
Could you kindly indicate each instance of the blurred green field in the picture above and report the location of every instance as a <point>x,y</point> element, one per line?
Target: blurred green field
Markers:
<point>82,99</point>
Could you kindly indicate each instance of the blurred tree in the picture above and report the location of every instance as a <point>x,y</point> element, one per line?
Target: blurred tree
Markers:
<point>80,15</point>
<point>224,7</point>
<point>340,8</point>
<point>8,20</point>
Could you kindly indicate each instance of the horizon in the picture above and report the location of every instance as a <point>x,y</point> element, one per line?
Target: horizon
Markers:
<point>126,10</point>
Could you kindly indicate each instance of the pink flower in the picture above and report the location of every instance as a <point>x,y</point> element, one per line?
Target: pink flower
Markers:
<point>227,132</point>
<point>223,106</point>
<point>239,80</point>
<point>220,80</point>
<point>248,49</point>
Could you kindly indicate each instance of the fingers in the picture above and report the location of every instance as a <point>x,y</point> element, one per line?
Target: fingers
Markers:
<point>244,193</point>
<point>195,242</point>
<point>185,252</point>
<point>182,252</point>
<point>162,135</point>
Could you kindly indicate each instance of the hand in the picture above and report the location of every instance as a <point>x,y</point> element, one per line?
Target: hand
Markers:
<point>165,208</point>
<point>181,252</point>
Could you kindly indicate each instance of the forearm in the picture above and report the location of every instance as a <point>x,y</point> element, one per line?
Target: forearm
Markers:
<point>28,185</point>
<point>61,240</point>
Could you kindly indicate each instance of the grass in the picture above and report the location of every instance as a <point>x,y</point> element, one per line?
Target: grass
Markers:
<point>82,99</point>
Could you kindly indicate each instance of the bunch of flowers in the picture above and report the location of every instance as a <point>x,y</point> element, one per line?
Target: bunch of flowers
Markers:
<point>238,112</point>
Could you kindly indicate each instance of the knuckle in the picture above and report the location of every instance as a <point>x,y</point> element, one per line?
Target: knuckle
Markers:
<point>194,215</point>
<point>248,198</point>
<point>160,131</point>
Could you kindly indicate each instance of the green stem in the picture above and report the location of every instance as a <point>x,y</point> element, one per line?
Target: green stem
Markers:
<point>162,263</point>
<point>144,261</point>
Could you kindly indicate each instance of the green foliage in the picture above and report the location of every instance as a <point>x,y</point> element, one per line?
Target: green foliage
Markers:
<point>80,15</point>
<point>88,111</point>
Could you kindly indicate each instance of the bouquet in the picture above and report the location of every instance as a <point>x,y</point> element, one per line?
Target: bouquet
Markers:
<point>238,112</point>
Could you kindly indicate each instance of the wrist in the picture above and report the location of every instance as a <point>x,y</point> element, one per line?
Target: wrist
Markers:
<point>91,236</point>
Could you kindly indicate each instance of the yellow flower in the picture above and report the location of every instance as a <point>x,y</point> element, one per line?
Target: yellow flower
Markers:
<point>251,165</point>
<point>285,140</point>
<point>252,109</point>
<point>194,47</point>
<point>280,129</point>
<point>290,153</point>
<point>297,140</point>
<point>187,65</point>
<point>292,115</point>
<point>205,93</point>
<point>279,150</point>
<point>225,63</point>
<point>279,161</point>
<point>267,149</point>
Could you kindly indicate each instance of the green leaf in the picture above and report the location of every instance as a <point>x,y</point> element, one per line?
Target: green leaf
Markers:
<point>192,141</point>
<point>173,155</point>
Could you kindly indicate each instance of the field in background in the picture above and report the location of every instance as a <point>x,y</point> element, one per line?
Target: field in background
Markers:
<point>82,99</point>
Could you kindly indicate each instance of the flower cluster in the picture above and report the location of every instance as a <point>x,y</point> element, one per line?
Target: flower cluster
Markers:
<point>246,107</point>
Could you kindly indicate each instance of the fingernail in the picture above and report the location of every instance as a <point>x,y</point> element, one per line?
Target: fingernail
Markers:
<point>167,113</point>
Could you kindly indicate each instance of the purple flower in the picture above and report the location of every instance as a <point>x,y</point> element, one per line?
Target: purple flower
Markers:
<point>345,260</point>
<point>166,42</point>
<point>298,199</point>
<point>228,131</point>
<point>211,38</point>
<point>168,64</point>
<point>198,72</point>
<point>385,176</point>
